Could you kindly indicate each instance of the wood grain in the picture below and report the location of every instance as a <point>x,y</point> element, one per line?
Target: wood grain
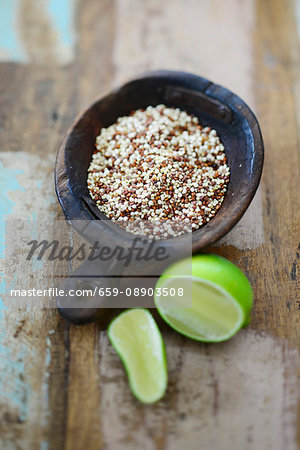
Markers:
<point>62,386</point>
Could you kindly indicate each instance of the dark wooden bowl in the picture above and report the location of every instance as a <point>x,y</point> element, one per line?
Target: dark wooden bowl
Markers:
<point>214,105</point>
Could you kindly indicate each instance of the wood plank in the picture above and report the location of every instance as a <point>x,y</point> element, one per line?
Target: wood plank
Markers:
<point>96,27</point>
<point>37,105</point>
<point>33,359</point>
<point>276,278</point>
<point>83,413</point>
<point>225,396</point>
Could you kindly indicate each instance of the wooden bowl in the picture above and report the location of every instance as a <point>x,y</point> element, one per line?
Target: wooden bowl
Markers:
<point>214,105</point>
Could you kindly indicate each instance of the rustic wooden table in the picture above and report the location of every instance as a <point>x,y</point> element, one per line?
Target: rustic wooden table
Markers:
<point>63,386</point>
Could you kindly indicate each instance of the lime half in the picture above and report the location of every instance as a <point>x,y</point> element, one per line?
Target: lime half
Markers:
<point>205,297</point>
<point>137,339</point>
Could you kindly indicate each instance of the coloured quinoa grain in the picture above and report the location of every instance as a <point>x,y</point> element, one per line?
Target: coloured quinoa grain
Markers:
<point>158,164</point>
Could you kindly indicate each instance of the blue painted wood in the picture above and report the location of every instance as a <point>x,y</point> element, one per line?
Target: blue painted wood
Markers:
<point>61,14</point>
<point>12,362</point>
<point>10,44</point>
<point>60,17</point>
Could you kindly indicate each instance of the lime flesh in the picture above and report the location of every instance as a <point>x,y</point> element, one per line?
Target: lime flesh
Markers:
<point>135,336</point>
<point>216,300</point>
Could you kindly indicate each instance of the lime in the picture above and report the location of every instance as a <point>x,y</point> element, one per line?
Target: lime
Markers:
<point>137,339</point>
<point>205,297</point>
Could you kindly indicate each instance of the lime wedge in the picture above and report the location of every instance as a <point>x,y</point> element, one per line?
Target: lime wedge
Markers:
<point>205,297</point>
<point>137,339</point>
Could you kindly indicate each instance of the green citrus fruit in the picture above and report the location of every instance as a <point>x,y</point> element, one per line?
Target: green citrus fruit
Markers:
<point>212,300</point>
<point>135,336</point>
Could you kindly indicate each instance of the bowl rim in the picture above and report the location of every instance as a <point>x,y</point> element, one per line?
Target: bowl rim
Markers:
<point>213,91</point>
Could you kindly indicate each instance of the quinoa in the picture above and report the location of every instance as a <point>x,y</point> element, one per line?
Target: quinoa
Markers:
<point>158,164</point>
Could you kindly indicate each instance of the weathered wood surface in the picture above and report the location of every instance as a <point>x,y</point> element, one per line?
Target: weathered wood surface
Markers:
<point>63,386</point>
